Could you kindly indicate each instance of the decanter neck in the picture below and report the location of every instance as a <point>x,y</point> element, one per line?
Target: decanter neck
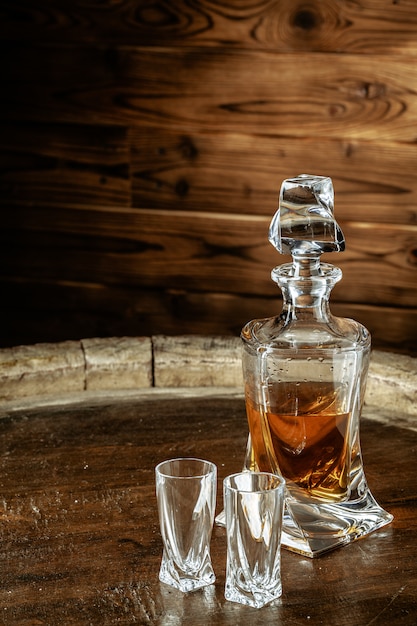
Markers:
<point>306,265</point>
<point>306,285</point>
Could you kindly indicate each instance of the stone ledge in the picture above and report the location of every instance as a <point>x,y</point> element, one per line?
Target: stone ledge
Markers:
<point>75,366</point>
<point>196,361</point>
<point>138,363</point>
<point>392,382</point>
<point>41,369</point>
<point>118,363</point>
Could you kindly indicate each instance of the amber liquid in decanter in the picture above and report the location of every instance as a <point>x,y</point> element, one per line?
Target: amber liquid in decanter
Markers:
<point>307,437</point>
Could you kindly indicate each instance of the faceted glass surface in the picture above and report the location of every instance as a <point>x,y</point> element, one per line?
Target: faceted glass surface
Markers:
<point>186,495</point>
<point>254,509</point>
<point>305,373</point>
<point>305,221</point>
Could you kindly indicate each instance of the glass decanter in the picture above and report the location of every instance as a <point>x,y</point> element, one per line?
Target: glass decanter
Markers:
<point>305,374</point>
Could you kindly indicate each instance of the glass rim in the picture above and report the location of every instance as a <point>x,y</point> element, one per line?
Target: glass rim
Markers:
<point>210,468</point>
<point>227,482</point>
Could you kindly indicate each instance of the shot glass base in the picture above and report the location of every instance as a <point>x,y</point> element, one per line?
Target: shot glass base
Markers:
<point>183,581</point>
<point>254,597</point>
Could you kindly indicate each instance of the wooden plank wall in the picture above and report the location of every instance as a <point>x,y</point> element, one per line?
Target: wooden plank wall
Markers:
<point>143,144</point>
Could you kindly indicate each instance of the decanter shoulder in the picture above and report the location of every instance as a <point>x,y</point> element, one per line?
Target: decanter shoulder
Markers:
<point>280,333</point>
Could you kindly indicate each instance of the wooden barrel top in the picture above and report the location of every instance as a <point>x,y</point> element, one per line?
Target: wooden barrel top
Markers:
<point>80,436</point>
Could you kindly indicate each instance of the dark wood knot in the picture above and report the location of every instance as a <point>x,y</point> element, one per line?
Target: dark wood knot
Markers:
<point>306,19</point>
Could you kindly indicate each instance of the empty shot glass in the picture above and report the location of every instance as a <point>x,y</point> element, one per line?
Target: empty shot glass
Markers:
<point>186,496</point>
<point>254,504</point>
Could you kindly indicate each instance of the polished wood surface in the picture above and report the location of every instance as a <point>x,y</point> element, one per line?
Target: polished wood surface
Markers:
<point>80,541</point>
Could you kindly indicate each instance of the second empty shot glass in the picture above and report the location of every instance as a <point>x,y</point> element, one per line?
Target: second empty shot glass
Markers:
<point>186,496</point>
<point>254,508</point>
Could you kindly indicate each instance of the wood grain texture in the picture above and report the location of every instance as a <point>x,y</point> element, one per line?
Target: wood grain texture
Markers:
<point>199,107</point>
<point>87,164</point>
<point>78,309</point>
<point>242,173</point>
<point>364,26</point>
<point>197,251</point>
<point>80,535</point>
<point>159,168</point>
<point>354,97</point>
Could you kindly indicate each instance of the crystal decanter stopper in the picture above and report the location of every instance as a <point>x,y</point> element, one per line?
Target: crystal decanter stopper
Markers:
<point>305,374</point>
